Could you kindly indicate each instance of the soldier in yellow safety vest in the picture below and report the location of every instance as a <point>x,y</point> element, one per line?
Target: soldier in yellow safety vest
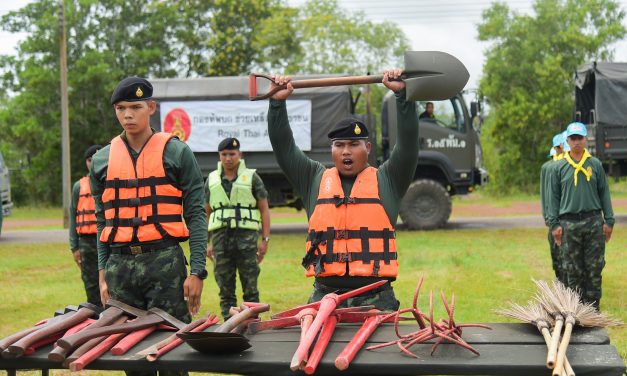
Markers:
<point>237,207</point>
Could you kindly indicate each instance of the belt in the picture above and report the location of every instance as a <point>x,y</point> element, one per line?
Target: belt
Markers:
<point>141,249</point>
<point>87,236</point>
<point>338,290</point>
<point>580,216</point>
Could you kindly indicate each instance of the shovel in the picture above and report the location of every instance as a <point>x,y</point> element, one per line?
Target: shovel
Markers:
<point>221,340</point>
<point>428,75</point>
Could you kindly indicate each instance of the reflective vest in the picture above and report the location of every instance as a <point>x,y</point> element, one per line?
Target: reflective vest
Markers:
<point>350,234</point>
<point>139,200</point>
<point>85,209</point>
<point>239,210</point>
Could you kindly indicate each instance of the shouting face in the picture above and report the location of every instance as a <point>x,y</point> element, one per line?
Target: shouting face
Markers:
<point>350,156</point>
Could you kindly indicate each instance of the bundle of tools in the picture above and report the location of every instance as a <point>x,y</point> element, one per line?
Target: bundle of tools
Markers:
<point>442,330</point>
<point>83,333</point>
<point>318,321</point>
<point>555,306</point>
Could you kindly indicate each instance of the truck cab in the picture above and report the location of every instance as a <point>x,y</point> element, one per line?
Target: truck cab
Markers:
<point>5,191</point>
<point>450,158</point>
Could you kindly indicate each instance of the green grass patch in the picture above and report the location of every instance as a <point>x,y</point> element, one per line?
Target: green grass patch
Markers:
<point>36,213</point>
<point>484,268</point>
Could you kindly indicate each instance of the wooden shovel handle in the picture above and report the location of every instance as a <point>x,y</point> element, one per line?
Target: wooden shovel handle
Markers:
<point>7,341</point>
<point>313,82</point>
<point>87,346</point>
<point>20,346</point>
<point>131,340</point>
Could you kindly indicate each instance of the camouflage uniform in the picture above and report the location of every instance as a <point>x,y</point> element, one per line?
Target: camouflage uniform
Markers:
<point>89,267</point>
<point>236,250</point>
<point>87,245</point>
<point>581,210</point>
<point>150,280</point>
<point>582,256</point>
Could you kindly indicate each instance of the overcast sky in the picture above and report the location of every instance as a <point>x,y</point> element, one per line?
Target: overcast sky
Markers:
<point>445,25</point>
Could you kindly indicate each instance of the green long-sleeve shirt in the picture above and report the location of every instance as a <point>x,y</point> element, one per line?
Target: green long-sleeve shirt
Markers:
<point>305,174</point>
<point>76,190</point>
<point>394,176</point>
<point>181,168</point>
<point>566,198</point>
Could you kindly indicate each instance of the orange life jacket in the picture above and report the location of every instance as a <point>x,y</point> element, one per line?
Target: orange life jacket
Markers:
<point>85,209</point>
<point>140,202</point>
<point>350,234</point>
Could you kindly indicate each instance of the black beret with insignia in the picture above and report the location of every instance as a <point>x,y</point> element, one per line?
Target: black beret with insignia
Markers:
<point>132,89</point>
<point>229,143</point>
<point>349,129</point>
<point>92,150</point>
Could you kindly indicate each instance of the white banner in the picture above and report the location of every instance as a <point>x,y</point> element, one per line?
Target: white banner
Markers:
<point>203,124</point>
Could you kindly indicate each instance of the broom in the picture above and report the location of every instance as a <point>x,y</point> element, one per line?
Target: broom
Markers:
<point>567,301</point>
<point>536,315</point>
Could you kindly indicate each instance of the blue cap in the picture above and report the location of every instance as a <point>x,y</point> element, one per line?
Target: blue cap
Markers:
<point>558,139</point>
<point>566,146</point>
<point>576,128</point>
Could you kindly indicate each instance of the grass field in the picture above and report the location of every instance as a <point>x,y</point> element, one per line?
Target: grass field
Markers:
<point>484,268</point>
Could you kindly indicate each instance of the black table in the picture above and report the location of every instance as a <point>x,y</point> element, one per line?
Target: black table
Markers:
<point>508,349</point>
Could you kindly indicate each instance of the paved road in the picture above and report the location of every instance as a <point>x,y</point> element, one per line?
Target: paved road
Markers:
<point>464,223</point>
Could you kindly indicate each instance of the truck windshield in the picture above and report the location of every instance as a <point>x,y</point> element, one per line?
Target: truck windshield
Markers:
<point>447,114</point>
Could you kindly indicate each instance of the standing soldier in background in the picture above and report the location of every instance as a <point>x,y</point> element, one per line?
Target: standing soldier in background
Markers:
<point>237,204</point>
<point>144,184</point>
<point>556,153</point>
<point>83,231</point>
<point>352,207</point>
<point>580,215</point>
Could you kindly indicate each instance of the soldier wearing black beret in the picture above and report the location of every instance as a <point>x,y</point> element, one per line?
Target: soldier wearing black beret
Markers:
<point>352,207</point>
<point>149,197</point>
<point>237,207</point>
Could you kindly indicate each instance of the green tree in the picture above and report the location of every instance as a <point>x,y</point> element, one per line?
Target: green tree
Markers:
<point>111,39</point>
<point>528,79</point>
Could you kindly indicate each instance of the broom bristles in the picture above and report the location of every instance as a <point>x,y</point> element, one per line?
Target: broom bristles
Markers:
<point>532,313</point>
<point>559,298</point>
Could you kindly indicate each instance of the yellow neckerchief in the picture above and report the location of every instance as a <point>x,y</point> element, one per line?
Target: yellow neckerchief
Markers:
<point>579,166</point>
<point>557,157</point>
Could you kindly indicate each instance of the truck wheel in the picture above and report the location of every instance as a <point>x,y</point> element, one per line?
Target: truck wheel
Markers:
<point>426,205</point>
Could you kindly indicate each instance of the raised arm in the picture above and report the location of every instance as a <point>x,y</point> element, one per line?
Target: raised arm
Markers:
<point>299,168</point>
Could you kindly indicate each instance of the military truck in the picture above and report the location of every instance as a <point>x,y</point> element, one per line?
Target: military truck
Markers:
<point>203,111</point>
<point>5,191</point>
<point>600,97</point>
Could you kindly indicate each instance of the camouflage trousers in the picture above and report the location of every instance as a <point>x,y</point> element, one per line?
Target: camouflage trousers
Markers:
<point>227,263</point>
<point>149,280</point>
<point>555,254</point>
<point>582,255</point>
<point>89,268</point>
<point>381,298</point>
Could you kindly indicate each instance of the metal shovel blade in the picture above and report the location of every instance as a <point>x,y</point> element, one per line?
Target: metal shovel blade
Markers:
<point>433,75</point>
<point>215,343</point>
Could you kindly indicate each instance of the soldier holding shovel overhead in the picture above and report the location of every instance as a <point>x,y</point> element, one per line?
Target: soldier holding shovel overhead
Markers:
<point>144,183</point>
<point>352,207</point>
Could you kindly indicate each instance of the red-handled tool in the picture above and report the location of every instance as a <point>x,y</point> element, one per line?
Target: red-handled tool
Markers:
<point>321,345</point>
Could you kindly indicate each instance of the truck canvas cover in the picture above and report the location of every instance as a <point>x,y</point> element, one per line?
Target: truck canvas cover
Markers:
<point>602,87</point>
<point>600,97</point>
<point>327,106</point>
